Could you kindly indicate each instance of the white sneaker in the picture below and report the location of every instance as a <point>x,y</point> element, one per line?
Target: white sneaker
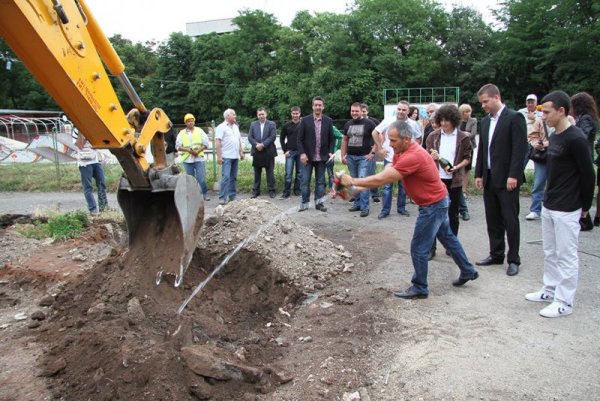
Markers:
<point>556,309</point>
<point>532,216</point>
<point>539,296</point>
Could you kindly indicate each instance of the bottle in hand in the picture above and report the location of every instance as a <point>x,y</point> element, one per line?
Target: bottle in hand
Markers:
<point>445,164</point>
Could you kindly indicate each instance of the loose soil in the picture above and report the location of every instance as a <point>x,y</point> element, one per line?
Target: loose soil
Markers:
<point>303,312</point>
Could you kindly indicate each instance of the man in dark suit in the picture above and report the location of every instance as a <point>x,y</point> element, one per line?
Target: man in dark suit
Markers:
<point>499,172</point>
<point>315,145</point>
<point>262,135</point>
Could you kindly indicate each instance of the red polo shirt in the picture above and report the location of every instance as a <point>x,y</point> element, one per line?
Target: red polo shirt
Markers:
<point>420,175</point>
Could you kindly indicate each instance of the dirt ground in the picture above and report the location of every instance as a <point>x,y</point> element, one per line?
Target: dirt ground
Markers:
<point>302,312</point>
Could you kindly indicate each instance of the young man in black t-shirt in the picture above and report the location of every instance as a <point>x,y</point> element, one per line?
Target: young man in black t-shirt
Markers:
<point>358,153</point>
<point>568,197</point>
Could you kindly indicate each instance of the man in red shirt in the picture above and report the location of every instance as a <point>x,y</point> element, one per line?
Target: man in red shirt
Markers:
<point>419,174</point>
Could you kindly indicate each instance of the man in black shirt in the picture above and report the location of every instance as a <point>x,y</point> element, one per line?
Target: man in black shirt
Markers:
<point>289,145</point>
<point>358,153</point>
<point>568,197</point>
<point>373,162</point>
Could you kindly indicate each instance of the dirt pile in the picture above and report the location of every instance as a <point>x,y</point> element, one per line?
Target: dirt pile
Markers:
<point>114,334</point>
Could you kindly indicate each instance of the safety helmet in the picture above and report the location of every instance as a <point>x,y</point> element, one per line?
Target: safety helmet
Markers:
<point>188,116</point>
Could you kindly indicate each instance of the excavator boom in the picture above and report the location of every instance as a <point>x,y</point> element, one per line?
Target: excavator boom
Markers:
<point>63,46</point>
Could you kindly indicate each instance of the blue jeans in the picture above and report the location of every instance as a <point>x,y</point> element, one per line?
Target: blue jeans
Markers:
<point>198,170</point>
<point>291,162</point>
<point>371,171</point>
<point>307,170</point>
<point>96,172</point>
<point>386,201</point>
<point>358,167</point>
<point>433,222</point>
<point>540,173</point>
<point>229,172</point>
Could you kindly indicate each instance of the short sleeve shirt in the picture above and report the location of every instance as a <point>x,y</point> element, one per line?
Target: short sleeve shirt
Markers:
<point>420,175</point>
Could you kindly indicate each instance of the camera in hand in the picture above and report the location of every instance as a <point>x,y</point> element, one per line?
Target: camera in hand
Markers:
<point>445,164</point>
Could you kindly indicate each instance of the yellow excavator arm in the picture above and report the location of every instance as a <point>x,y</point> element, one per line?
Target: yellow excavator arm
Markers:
<point>63,46</point>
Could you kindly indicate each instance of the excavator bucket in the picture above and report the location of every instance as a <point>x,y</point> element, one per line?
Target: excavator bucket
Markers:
<point>164,224</point>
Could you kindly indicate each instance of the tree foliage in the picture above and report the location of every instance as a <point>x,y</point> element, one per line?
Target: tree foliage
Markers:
<point>539,46</point>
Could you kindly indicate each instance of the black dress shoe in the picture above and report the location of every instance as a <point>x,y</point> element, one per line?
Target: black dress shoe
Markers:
<point>321,207</point>
<point>489,261</point>
<point>513,269</point>
<point>431,254</point>
<point>410,293</point>
<point>462,281</point>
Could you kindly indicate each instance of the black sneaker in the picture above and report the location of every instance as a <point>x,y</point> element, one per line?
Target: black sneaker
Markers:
<point>376,199</point>
<point>284,196</point>
<point>354,209</point>
<point>321,207</point>
<point>364,213</point>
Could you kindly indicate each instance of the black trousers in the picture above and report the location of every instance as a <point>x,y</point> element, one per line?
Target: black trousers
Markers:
<point>270,177</point>
<point>502,217</point>
<point>454,195</point>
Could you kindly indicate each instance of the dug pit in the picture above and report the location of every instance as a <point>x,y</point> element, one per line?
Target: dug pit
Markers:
<point>112,333</point>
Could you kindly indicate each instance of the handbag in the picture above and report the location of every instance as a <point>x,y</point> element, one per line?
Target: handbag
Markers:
<point>536,155</point>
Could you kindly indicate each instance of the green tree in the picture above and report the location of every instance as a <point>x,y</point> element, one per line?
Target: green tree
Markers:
<point>174,76</point>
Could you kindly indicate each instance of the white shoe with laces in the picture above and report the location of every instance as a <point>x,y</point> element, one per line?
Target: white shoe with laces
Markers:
<point>556,309</point>
<point>532,216</point>
<point>539,296</point>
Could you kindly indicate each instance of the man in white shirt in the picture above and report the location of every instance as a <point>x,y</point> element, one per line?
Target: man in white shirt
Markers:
<point>229,152</point>
<point>385,151</point>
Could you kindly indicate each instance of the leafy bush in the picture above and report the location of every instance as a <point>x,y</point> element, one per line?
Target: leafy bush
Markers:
<point>60,227</point>
<point>68,225</point>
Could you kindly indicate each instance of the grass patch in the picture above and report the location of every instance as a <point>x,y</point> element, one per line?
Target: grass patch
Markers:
<point>43,177</point>
<point>60,226</point>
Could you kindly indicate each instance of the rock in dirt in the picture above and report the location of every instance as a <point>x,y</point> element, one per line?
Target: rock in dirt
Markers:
<point>351,396</point>
<point>96,310</point>
<point>38,315</point>
<point>280,374</point>
<point>206,361</point>
<point>53,367</point>
<point>134,310</point>
<point>48,300</point>
<point>364,395</point>
<point>34,324</point>
<point>20,316</point>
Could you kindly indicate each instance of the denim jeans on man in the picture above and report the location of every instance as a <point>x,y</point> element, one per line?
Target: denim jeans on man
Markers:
<point>229,172</point>
<point>319,168</point>
<point>198,170</point>
<point>292,162</point>
<point>358,166</point>
<point>433,222</point>
<point>96,172</point>
<point>386,199</point>
<point>540,173</point>
<point>372,170</point>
